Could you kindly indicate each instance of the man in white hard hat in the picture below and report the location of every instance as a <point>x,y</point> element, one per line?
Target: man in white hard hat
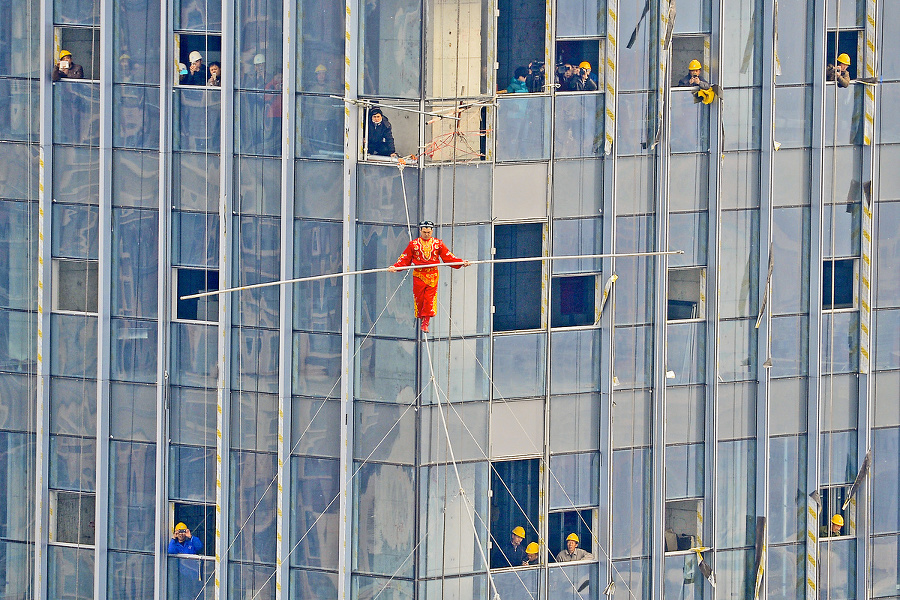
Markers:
<point>197,74</point>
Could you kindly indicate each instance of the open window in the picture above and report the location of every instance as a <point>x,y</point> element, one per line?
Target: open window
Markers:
<point>515,485</point>
<point>195,281</point>
<point>563,524</point>
<point>209,48</point>
<point>844,41</point>
<point>686,48</point>
<point>573,300</point>
<point>200,520</point>
<point>72,517</point>
<point>570,55</point>
<point>838,289</point>
<point>834,519</point>
<point>517,286</point>
<point>684,520</point>
<point>687,296</point>
<point>520,44</point>
<point>75,285</point>
<point>84,45</point>
<point>395,132</point>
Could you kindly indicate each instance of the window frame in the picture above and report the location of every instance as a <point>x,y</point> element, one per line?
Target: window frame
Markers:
<point>699,305</point>
<point>91,265</point>
<point>55,517</point>
<point>176,301</point>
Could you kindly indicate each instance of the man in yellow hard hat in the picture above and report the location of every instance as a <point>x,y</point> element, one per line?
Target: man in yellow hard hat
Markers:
<point>512,553</point>
<point>839,71</point>
<point>66,68</point>
<point>837,523</point>
<point>572,551</point>
<point>531,555</point>
<point>693,77</point>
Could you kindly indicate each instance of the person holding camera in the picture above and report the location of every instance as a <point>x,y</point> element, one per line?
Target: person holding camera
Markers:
<point>535,79</point>
<point>66,67</point>
<point>518,84</point>
<point>581,78</point>
<point>693,77</point>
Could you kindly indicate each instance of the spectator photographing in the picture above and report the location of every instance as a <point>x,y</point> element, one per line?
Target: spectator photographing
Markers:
<point>66,67</point>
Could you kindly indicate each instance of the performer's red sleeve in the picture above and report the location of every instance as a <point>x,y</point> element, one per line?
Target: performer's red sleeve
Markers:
<point>406,258</point>
<point>449,257</point>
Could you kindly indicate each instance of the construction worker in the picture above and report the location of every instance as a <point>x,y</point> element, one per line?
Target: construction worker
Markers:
<point>839,72</point>
<point>66,68</point>
<point>531,555</point>
<point>693,77</point>
<point>837,523</point>
<point>512,553</point>
<point>572,551</point>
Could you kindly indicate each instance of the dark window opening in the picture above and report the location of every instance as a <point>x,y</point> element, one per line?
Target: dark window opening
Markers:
<point>517,286</point>
<point>195,281</point>
<point>573,53</point>
<point>683,518</point>
<point>685,300</point>
<point>75,284</point>
<point>837,283</point>
<point>520,43</point>
<point>210,49</point>
<point>84,45</point>
<point>201,521</point>
<point>514,503</point>
<point>834,519</point>
<point>563,524</point>
<point>846,42</point>
<point>686,48</point>
<point>573,301</point>
<point>73,517</point>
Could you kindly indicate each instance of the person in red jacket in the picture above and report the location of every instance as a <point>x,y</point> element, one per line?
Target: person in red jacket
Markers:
<point>426,250</point>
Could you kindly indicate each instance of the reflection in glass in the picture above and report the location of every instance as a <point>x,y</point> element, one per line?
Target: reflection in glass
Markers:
<point>786,571</point>
<point>575,188</point>
<point>390,48</point>
<point>258,122</point>
<point>318,249</point>
<point>790,346</point>
<point>70,572</point>
<point>684,471</point>
<point>134,263</point>
<point>74,348</point>
<point>689,124</point>
<point>251,522</point>
<point>634,288</point>
<point>519,365</point>
<point>741,44</point>
<point>793,122</point>
<point>683,579</point>
<point>190,578</point>
<point>844,115</point>
<point>523,128</point>
<point>739,247</point>
<point>840,342</point>
<point>254,356</point>
<point>737,350</point>
<point>741,120</point>
<point>136,117</point>
<point>573,480</point>
<point>787,482</point>
<point>19,116</point>
<point>573,361</point>
<point>467,424</point>
<point>792,169</point>
<point>574,422</point>
<point>579,125</point>
<point>318,189</point>
<point>385,520</point>
<point>76,113</point>
<point>258,260</point>
<point>837,569</point>
<point>736,494</point>
<point>576,582</point>
<point>631,521</point>
<point>197,119</point>
<point>321,44</point>
<point>320,128</point>
<point>314,512</point>
<point>384,432</point>
<point>633,352</point>
<point>633,134</point>
<point>386,370</point>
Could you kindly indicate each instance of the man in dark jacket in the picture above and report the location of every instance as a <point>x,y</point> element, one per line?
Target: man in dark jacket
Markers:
<point>66,68</point>
<point>381,138</point>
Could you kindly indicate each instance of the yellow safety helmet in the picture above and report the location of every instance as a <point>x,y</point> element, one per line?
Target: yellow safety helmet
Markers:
<point>694,65</point>
<point>838,520</point>
<point>843,59</point>
<point>706,96</point>
<point>519,531</point>
<point>532,548</point>
<point>321,69</point>
<point>180,526</point>
<point>584,65</point>
<point>572,537</point>
<point>64,54</point>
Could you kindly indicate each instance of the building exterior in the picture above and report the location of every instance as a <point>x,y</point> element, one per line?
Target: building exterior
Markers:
<point>724,398</point>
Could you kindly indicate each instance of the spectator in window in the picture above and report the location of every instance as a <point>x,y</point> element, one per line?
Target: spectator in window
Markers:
<point>839,72</point>
<point>512,553</point>
<point>66,68</point>
<point>518,85</point>
<point>197,74</point>
<point>319,86</point>
<point>125,74</point>
<point>572,551</point>
<point>693,77</point>
<point>531,555</point>
<point>580,78</point>
<point>182,73</point>
<point>215,74</point>
<point>837,523</point>
<point>183,542</point>
<point>381,137</point>
<point>536,77</point>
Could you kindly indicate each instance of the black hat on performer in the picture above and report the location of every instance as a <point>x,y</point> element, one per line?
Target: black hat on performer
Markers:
<point>426,224</point>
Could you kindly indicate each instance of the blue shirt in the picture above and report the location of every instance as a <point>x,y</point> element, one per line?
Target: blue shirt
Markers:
<point>191,545</point>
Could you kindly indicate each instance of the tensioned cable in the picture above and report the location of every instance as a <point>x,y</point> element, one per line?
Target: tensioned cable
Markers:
<point>412,267</point>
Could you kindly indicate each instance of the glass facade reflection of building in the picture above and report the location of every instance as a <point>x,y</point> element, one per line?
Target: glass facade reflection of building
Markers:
<point>723,398</point>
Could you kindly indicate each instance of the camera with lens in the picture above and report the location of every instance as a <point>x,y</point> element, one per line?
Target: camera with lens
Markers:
<point>536,67</point>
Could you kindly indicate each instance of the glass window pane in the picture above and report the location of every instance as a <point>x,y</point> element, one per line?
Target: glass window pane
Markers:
<point>458,193</point>
<point>887,339</point>
<point>257,183</point>
<point>631,503</point>
<point>384,198</point>
<point>736,496</point>
<point>795,45</point>
<point>197,120</point>
<point>689,124</point>
<point>132,412</point>
<point>73,406</point>
<point>308,583</point>
<point>70,572</point>
<point>632,579</point>
<point>509,201</point>
<point>573,361</point>
<point>19,119</point>
<point>194,350</point>
<point>259,44</point>
<point>18,251</point>
<point>739,176</point>
<point>258,261</point>
<point>465,378</point>
<point>74,348</point>
<point>844,112</point>
<point>315,518</point>
<point>737,350</point>
<point>384,522</point>
<point>576,582</point>
<point>792,169</point>
<point>633,132</point>
<point>198,15</point>
<point>790,346</point>
<point>386,370</point>
<point>573,480</point>
<point>787,482</point>
<point>75,231</point>
<point>312,425</point>
<point>135,117</point>
<point>254,421</point>
<point>575,188</point>
<point>790,408</point>
<point>73,463</point>
<point>518,363</point>
<point>320,128</point>
<point>688,232</point>
<point>634,63</point>
<point>685,414</point>
<point>192,473</point>
<point>739,244</point>
<point>255,354</point>
<point>631,412</point>
<point>76,113</point>
<point>131,576</point>
<point>251,524</point>
<point>686,352</point>
<point>633,352</point>
<point>133,351</point>
<point>580,18</point>
<point>468,427</point>
<point>786,571</point>
<point>790,245</point>
<point>19,41</point>
<point>572,237</point>
<point>135,179</point>
<point>195,239</point>
<point>517,428</point>
<point>317,364</point>
<point>258,122</point>
<point>689,182</point>
<point>17,456</point>
<point>741,42</point>
<point>741,121</point>
<point>390,48</point>
<point>885,568</point>
<point>449,544</point>
<point>840,342</point>
<point>132,482</point>
<point>837,568</point>
<point>737,410</point>
<point>255,581</point>
<point>793,125</point>
<point>579,125</point>
<point>384,432</point>
<point>384,302</point>
<point>840,449</point>
<point>136,41</point>
<point>734,573</point>
<point>634,288</point>
<point>321,42</point>
<point>887,254</point>
<point>523,128</point>
<point>196,178</point>
<point>318,189</point>
<point>840,402</point>
<point>574,422</point>
<point>135,258</point>
<point>684,471</point>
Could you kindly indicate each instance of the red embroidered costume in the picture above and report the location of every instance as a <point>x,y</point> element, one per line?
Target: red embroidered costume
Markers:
<point>426,252</point>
